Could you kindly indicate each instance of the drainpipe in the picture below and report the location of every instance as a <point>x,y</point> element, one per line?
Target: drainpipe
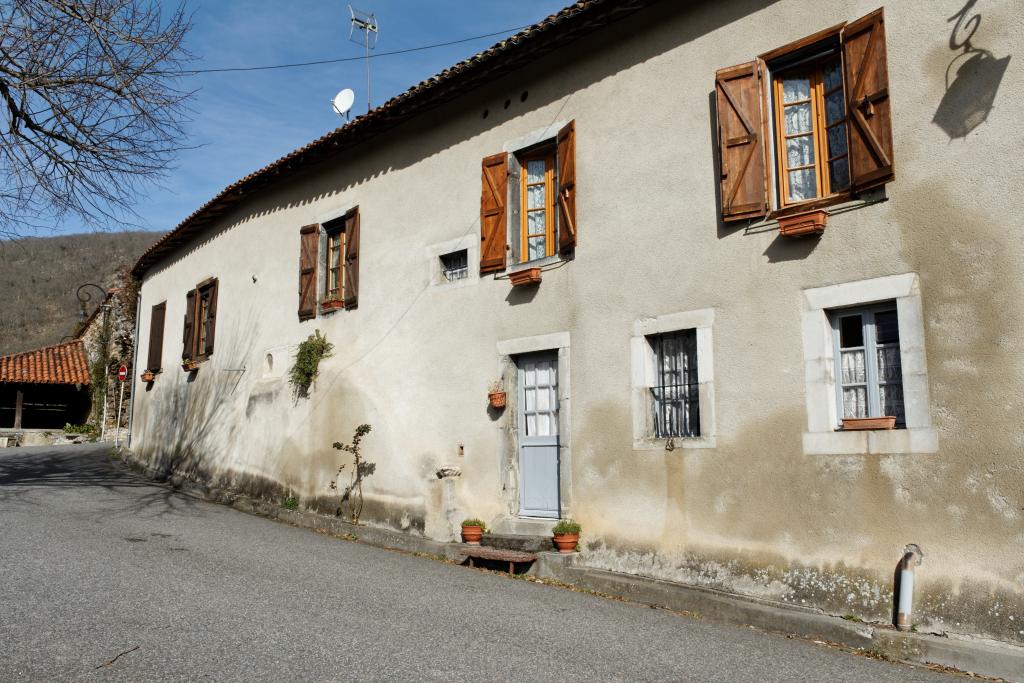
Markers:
<point>912,557</point>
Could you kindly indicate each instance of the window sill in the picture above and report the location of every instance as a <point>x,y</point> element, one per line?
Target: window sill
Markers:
<point>683,443</point>
<point>871,442</point>
<point>536,263</point>
<point>331,305</point>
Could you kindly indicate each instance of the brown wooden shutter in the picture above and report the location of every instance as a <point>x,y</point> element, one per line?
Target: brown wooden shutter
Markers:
<point>352,258</point>
<point>309,246</point>
<point>156,337</point>
<point>740,109</point>
<point>493,196</point>
<point>188,335</point>
<point>867,96</point>
<point>567,187</point>
<point>211,319</point>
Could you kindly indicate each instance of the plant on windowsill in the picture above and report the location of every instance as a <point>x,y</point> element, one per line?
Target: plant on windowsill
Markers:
<point>148,376</point>
<point>853,424</point>
<point>307,363</point>
<point>496,396</point>
<point>189,365</point>
<point>566,536</point>
<point>473,531</point>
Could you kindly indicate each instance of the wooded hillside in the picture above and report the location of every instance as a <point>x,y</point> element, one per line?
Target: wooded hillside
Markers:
<point>39,277</point>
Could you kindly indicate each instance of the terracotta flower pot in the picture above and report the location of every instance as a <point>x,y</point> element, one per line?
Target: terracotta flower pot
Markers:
<point>189,365</point>
<point>566,543</point>
<point>862,423</point>
<point>148,376</point>
<point>496,399</point>
<point>471,535</point>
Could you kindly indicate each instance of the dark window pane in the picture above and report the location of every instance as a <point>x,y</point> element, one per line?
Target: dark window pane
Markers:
<point>887,327</point>
<point>851,332</point>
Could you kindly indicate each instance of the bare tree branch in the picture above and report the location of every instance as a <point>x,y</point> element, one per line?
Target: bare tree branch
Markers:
<point>91,107</point>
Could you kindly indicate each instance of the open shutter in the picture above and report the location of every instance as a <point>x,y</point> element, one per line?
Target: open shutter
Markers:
<point>567,187</point>
<point>188,334</point>
<point>211,319</point>
<point>739,104</point>
<point>309,244</point>
<point>156,337</point>
<point>867,96</point>
<point>352,258</point>
<point>493,199</point>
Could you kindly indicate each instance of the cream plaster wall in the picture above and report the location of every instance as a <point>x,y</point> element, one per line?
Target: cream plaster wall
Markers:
<point>755,513</point>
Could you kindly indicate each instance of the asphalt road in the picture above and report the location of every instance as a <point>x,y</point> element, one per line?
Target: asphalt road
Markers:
<point>105,576</point>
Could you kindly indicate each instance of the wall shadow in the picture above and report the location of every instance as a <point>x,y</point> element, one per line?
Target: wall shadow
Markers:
<point>970,96</point>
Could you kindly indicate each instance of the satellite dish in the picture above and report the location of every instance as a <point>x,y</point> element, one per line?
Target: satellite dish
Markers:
<point>343,101</point>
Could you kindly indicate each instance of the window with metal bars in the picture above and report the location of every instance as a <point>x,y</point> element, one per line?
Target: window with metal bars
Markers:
<point>675,394</point>
<point>455,266</point>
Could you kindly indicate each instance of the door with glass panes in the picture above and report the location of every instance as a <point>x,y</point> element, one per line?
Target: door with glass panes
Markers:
<point>538,435</point>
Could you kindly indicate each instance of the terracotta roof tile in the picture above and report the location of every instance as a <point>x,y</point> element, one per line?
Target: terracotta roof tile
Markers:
<point>555,31</point>
<point>60,364</point>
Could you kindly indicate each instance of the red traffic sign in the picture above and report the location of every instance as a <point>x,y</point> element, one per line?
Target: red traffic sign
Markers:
<point>122,373</point>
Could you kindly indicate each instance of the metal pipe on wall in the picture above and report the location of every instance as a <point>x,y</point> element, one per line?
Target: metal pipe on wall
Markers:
<point>912,557</point>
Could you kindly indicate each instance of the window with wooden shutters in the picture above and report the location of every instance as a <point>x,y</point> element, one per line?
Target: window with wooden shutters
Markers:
<point>309,245</point>
<point>493,199</point>
<point>867,83</point>
<point>156,337</point>
<point>206,318</point>
<point>826,99</point>
<point>351,269</point>
<point>739,98</point>
<point>566,143</point>
<point>188,334</point>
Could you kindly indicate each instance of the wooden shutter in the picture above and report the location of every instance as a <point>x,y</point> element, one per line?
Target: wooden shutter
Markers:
<point>867,96</point>
<point>309,246</point>
<point>567,187</point>
<point>352,258</point>
<point>493,199</point>
<point>740,109</point>
<point>156,337</point>
<point>188,335</point>
<point>211,319</point>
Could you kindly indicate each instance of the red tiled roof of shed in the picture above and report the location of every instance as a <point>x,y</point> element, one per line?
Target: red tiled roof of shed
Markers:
<point>59,364</point>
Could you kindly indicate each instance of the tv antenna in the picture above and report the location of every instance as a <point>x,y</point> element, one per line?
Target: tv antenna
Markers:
<point>365,23</point>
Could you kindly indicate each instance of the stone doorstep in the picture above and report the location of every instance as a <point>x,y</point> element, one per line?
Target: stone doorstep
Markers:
<point>997,660</point>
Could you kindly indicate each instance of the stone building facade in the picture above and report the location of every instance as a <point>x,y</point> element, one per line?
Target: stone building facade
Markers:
<point>746,272</point>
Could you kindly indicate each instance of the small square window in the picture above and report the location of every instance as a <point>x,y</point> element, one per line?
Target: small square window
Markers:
<point>455,266</point>
<point>675,394</point>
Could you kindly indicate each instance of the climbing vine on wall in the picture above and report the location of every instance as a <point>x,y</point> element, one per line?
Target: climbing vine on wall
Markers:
<point>307,363</point>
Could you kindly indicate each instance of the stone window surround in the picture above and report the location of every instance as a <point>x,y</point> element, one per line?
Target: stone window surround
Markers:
<point>642,377</point>
<point>507,350</point>
<point>435,274</point>
<point>822,436</point>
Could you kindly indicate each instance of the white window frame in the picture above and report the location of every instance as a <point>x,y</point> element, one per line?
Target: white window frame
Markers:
<point>644,368</point>
<point>823,436</point>
<point>870,346</point>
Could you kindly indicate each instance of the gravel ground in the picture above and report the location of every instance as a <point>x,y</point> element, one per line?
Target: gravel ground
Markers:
<point>103,575</point>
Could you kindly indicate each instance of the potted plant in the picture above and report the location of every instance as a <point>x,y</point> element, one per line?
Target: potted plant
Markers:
<point>148,376</point>
<point>472,531</point>
<point>496,394</point>
<point>189,365</point>
<point>566,536</point>
<point>865,423</point>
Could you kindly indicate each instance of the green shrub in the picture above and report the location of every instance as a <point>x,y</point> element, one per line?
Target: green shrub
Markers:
<point>473,521</point>
<point>566,526</point>
<point>290,503</point>
<point>79,429</point>
<point>307,362</point>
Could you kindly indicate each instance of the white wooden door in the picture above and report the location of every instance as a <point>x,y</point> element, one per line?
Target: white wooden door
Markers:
<point>538,435</point>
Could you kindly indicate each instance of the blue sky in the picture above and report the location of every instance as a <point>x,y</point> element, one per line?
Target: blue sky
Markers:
<point>244,120</point>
